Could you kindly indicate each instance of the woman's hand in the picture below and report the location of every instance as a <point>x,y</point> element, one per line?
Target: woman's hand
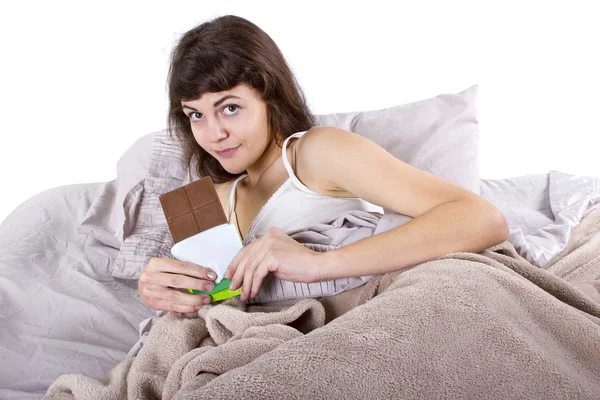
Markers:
<point>163,285</point>
<point>274,252</point>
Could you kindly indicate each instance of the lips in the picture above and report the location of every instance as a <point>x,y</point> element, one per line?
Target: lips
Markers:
<point>227,152</point>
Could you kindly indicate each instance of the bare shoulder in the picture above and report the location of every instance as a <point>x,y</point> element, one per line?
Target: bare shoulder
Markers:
<point>352,163</point>
<point>316,149</point>
<point>319,140</point>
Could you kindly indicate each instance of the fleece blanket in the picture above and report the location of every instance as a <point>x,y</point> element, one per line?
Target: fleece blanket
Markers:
<point>489,325</point>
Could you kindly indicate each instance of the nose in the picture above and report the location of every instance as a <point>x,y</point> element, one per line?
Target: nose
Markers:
<point>217,131</point>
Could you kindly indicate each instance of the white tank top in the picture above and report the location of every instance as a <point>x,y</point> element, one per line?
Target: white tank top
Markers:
<point>294,206</point>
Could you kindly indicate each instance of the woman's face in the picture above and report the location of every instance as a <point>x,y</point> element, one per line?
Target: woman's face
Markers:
<point>230,119</point>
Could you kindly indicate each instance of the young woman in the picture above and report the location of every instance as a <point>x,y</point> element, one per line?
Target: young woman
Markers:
<point>241,116</point>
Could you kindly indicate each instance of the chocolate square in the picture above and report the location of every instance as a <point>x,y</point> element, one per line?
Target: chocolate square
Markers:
<point>192,209</point>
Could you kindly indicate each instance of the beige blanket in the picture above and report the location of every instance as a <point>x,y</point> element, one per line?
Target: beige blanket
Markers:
<point>463,326</point>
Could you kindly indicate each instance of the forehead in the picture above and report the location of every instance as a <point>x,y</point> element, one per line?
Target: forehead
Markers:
<point>207,99</point>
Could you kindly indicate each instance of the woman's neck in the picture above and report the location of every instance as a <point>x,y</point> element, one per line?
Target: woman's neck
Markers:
<point>256,171</point>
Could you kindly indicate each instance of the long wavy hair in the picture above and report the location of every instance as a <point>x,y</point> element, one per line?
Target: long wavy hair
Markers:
<point>217,56</point>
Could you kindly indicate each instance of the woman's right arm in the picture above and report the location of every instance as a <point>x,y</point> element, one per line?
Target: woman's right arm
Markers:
<point>164,282</point>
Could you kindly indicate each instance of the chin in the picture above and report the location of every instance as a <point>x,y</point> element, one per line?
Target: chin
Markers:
<point>233,170</point>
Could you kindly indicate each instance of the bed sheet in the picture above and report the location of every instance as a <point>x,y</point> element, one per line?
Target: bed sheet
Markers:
<point>61,311</point>
<point>542,210</point>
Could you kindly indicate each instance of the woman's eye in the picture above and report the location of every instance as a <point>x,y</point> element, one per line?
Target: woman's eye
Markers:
<point>196,116</point>
<point>229,106</point>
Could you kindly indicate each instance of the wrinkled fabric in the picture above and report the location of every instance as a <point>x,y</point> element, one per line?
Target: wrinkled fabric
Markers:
<point>353,226</point>
<point>488,325</point>
<point>61,310</point>
<point>542,210</point>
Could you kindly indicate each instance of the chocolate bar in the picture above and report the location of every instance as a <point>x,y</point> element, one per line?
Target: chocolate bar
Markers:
<point>192,209</point>
<point>201,233</point>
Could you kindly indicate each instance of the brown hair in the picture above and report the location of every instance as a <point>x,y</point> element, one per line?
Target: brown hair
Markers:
<point>219,55</point>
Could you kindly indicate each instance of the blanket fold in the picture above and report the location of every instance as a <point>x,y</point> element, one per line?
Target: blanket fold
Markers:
<point>488,325</point>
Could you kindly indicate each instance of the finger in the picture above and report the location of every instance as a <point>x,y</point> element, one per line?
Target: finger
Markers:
<point>161,297</point>
<point>240,272</point>
<point>148,294</point>
<point>247,282</point>
<point>240,262</point>
<point>234,263</point>
<point>195,300</point>
<point>230,271</point>
<point>183,268</point>
<point>244,252</point>
<point>180,281</point>
<point>250,275</point>
<point>236,279</point>
<point>259,276</point>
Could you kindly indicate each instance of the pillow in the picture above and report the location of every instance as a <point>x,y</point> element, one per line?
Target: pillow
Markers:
<point>150,236</point>
<point>439,135</point>
<point>101,218</point>
<point>107,219</point>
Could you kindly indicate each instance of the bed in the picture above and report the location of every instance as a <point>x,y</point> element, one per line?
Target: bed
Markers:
<point>69,258</point>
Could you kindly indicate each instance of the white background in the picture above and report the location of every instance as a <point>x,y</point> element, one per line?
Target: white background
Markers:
<point>81,81</point>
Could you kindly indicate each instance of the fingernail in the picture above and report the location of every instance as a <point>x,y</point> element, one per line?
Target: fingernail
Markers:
<point>206,300</point>
<point>212,275</point>
<point>210,287</point>
<point>231,286</point>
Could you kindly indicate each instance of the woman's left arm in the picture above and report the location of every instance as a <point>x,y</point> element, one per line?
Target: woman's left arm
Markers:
<point>461,225</point>
<point>447,218</point>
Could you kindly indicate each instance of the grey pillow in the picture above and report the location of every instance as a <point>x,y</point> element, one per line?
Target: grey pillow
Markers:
<point>439,135</point>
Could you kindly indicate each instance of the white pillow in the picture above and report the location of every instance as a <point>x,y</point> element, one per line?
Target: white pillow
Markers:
<point>439,135</point>
<point>107,219</point>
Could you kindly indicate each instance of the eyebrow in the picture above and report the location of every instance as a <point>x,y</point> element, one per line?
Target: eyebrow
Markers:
<point>217,103</point>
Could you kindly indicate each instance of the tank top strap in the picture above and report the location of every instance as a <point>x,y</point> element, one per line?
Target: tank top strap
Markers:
<point>231,206</point>
<point>288,167</point>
